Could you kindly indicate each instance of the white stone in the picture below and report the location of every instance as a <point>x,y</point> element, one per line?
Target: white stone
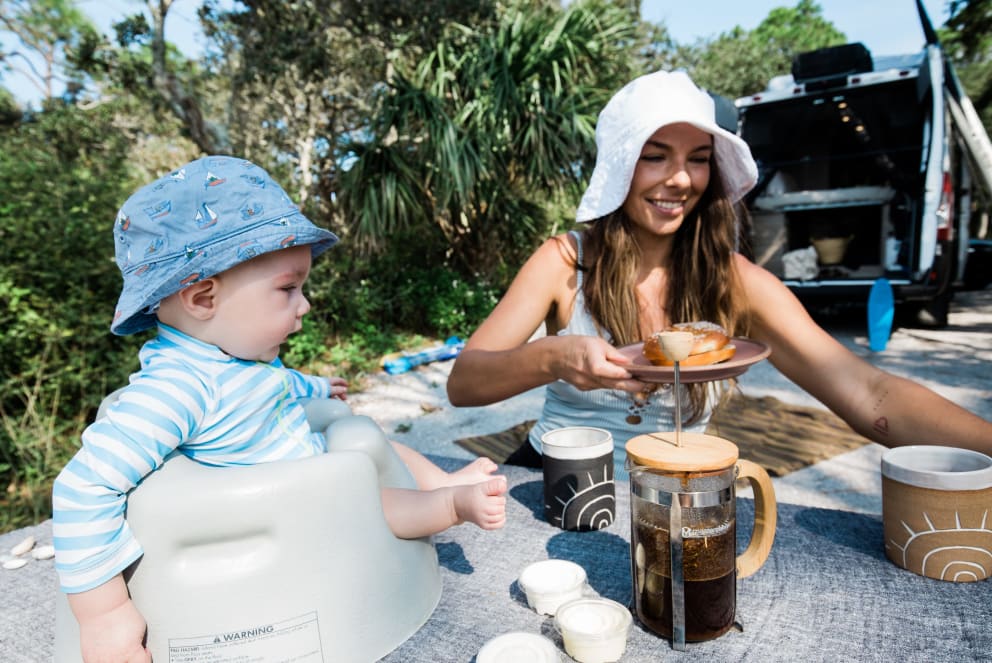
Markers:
<point>22,547</point>
<point>43,552</point>
<point>12,564</point>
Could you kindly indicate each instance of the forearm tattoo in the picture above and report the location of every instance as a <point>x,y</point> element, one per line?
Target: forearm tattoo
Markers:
<point>881,423</point>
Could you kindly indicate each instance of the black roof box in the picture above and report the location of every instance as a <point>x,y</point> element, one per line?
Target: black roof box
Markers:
<point>831,62</point>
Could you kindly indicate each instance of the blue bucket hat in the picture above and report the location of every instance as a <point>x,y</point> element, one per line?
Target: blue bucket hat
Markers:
<point>198,221</point>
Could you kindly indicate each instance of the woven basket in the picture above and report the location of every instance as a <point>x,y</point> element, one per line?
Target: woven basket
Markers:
<point>830,250</point>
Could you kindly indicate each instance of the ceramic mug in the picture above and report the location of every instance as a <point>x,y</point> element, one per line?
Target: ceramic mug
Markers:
<point>937,511</point>
<point>579,492</point>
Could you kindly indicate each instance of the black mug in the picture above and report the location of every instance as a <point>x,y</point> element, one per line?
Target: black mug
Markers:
<point>579,492</point>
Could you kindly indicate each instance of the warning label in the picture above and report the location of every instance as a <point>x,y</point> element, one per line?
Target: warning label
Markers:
<point>294,640</point>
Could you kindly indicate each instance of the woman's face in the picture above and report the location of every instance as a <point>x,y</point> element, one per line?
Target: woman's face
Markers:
<point>670,177</point>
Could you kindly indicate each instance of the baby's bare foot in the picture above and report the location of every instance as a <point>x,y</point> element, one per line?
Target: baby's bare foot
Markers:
<point>479,470</point>
<point>482,503</point>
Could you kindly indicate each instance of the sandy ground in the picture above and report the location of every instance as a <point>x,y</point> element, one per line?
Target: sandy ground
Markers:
<point>413,407</point>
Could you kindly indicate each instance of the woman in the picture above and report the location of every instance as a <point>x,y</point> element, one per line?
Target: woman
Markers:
<point>659,248</point>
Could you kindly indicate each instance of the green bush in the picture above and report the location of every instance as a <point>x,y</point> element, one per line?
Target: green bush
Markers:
<point>63,174</point>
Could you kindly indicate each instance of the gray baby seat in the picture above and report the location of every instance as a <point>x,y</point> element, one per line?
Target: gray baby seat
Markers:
<point>287,561</point>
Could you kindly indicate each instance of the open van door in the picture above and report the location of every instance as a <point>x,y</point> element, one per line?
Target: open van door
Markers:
<point>972,158</point>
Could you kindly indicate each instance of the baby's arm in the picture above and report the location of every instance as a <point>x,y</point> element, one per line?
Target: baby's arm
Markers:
<point>414,513</point>
<point>315,386</point>
<point>110,626</point>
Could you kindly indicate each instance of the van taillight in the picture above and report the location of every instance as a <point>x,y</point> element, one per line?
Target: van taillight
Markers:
<point>945,211</point>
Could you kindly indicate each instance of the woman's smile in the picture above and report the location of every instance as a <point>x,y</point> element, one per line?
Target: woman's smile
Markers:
<point>671,207</point>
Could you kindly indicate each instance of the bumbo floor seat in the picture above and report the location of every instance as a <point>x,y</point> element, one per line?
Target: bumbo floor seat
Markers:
<point>283,561</point>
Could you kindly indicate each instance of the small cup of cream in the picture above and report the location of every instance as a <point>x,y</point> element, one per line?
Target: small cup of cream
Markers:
<point>594,630</point>
<point>519,647</point>
<point>552,582</point>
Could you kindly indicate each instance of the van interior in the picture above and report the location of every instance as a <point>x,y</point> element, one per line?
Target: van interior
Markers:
<point>857,148</point>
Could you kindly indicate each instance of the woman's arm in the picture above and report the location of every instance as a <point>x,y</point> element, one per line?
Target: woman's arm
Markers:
<point>888,409</point>
<point>499,360</point>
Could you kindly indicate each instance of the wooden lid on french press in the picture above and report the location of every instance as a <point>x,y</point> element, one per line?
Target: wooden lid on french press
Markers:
<point>698,452</point>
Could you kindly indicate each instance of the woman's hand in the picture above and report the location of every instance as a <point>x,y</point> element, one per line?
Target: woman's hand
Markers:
<point>589,362</point>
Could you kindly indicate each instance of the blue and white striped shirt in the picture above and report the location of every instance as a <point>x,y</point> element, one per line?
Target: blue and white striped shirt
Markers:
<point>188,396</point>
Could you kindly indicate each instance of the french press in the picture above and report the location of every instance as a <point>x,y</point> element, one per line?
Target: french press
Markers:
<point>683,532</point>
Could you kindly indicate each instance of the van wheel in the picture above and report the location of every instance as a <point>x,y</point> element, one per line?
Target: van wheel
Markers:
<point>934,314</point>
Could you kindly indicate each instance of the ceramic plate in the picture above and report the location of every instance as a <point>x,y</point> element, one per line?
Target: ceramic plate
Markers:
<point>748,352</point>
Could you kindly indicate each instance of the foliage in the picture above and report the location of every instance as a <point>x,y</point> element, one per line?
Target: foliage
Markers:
<point>469,143</point>
<point>970,24</point>
<point>52,30</point>
<point>63,173</point>
<point>967,39</point>
<point>741,62</point>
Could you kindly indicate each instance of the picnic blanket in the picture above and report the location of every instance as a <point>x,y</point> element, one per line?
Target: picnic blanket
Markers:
<point>779,436</point>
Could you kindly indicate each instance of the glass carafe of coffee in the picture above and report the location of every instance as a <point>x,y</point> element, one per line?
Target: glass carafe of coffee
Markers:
<point>684,560</point>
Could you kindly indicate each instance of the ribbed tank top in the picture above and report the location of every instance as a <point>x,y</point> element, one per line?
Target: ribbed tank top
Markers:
<point>565,405</point>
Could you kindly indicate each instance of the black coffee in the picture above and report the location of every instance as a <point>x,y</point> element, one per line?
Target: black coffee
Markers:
<point>710,585</point>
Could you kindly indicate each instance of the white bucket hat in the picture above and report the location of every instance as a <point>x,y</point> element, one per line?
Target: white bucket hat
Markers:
<point>638,110</point>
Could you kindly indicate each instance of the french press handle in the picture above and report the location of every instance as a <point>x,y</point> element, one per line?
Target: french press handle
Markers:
<point>765,518</point>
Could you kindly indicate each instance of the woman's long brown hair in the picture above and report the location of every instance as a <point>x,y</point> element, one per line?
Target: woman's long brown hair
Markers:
<point>702,283</point>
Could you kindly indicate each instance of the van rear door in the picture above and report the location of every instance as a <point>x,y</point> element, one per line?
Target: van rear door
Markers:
<point>937,208</point>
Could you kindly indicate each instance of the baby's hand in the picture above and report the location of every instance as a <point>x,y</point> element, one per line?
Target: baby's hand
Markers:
<point>482,503</point>
<point>339,388</point>
<point>115,636</point>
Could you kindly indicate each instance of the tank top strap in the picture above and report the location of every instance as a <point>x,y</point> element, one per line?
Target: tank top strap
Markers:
<point>578,248</point>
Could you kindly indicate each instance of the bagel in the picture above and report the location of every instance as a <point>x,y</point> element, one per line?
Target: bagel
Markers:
<point>711,345</point>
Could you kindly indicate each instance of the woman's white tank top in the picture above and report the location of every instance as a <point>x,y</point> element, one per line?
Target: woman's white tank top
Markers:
<point>610,409</point>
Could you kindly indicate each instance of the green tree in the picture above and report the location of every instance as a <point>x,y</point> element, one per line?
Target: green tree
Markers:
<point>470,145</point>
<point>63,172</point>
<point>740,62</point>
<point>967,38</point>
<point>47,33</point>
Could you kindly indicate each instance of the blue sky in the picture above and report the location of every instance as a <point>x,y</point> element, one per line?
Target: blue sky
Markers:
<point>886,27</point>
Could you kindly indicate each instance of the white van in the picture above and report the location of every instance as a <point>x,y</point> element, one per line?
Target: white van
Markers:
<point>868,168</point>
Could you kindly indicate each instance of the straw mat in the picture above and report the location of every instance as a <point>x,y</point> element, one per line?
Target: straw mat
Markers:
<point>780,437</point>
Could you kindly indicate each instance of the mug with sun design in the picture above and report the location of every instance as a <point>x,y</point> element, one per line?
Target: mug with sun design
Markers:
<point>579,491</point>
<point>937,511</point>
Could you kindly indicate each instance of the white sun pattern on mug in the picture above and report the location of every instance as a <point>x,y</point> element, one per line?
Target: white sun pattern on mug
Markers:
<point>589,511</point>
<point>957,560</point>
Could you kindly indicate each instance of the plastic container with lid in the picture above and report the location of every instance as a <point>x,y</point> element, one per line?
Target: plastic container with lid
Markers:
<point>519,647</point>
<point>594,630</point>
<point>552,582</point>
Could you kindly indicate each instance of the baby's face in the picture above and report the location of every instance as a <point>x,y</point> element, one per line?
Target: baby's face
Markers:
<point>260,303</point>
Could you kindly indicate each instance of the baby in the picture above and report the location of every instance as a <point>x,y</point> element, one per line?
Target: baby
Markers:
<point>215,255</point>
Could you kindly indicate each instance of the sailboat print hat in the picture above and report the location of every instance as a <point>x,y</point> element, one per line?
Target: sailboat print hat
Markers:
<point>198,221</point>
<point>640,108</point>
